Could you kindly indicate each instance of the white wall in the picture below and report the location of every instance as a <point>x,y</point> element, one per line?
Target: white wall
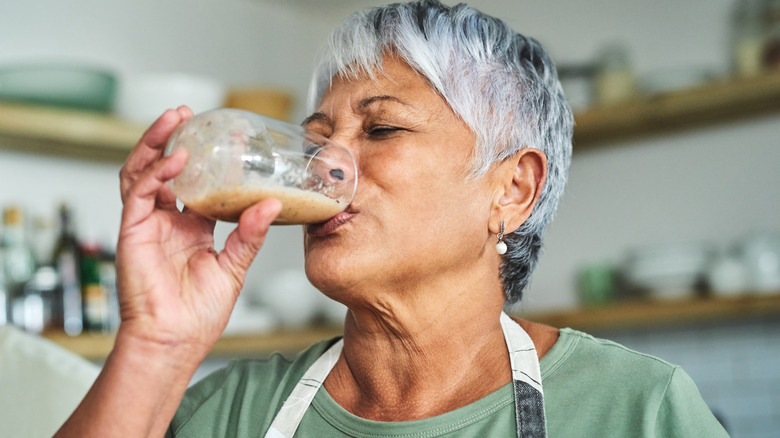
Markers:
<point>238,42</point>
<point>714,184</point>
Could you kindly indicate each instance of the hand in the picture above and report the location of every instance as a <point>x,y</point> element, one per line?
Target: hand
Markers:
<point>174,288</point>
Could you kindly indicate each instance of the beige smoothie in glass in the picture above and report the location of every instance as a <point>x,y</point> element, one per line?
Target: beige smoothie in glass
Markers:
<point>237,159</point>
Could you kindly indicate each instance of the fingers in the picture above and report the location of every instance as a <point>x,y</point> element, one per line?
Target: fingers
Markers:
<point>141,196</point>
<point>151,146</point>
<point>244,242</point>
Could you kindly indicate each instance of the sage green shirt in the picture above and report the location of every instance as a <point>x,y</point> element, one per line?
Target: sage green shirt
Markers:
<point>592,388</point>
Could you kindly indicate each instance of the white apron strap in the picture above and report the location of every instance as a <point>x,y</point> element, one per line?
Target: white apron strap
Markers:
<point>527,379</point>
<point>291,414</point>
<point>526,376</point>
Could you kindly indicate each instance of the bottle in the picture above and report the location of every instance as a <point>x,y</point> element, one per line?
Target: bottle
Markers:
<point>94,296</point>
<point>39,300</point>
<point>67,261</point>
<point>19,264</point>
<point>771,56</point>
<point>42,294</point>
<point>748,37</point>
<point>615,80</point>
<point>108,280</point>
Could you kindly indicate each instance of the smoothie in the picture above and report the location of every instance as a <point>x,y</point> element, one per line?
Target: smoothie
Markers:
<point>298,206</point>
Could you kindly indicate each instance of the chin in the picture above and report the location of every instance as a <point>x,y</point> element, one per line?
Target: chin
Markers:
<point>331,268</point>
<point>324,264</point>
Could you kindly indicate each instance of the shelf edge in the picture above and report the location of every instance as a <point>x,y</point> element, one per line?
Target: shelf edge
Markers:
<point>731,99</point>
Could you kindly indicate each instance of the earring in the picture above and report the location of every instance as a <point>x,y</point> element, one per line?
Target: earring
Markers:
<point>501,245</point>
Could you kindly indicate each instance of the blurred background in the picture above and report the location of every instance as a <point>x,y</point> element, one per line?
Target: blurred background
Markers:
<point>667,239</point>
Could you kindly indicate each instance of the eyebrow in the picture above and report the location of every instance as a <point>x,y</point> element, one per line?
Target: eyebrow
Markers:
<point>316,117</point>
<point>373,99</point>
<point>365,103</point>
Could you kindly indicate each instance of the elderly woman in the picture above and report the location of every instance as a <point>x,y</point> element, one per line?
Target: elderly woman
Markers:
<point>462,136</point>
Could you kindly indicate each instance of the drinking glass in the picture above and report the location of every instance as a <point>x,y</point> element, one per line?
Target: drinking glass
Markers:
<point>237,158</point>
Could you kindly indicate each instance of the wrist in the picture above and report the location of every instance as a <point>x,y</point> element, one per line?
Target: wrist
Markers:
<point>157,355</point>
<point>138,390</point>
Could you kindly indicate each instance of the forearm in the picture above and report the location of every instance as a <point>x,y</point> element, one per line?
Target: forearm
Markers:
<point>137,393</point>
<point>175,292</point>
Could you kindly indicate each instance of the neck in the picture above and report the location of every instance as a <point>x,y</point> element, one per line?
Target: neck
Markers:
<point>416,358</point>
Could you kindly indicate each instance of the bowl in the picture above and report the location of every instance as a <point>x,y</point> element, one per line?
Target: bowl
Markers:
<point>668,270</point>
<point>142,98</point>
<point>62,85</point>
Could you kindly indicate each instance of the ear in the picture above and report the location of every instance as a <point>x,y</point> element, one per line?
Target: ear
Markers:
<point>519,183</point>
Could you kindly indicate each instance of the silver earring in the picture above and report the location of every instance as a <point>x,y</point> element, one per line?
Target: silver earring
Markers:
<point>501,245</point>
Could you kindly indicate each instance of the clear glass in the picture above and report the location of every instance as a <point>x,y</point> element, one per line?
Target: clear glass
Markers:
<point>237,158</point>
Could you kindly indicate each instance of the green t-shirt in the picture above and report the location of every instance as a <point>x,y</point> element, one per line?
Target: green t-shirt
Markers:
<point>592,387</point>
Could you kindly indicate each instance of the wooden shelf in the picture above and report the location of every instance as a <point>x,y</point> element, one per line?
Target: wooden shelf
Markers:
<point>64,132</point>
<point>648,314</point>
<point>98,346</point>
<point>95,136</point>
<point>718,101</point>
<point>613,317</point>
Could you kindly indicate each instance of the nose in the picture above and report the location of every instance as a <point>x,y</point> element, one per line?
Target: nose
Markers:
<point>332,169</point>
<point>337,174</point>
<point>334,164</point>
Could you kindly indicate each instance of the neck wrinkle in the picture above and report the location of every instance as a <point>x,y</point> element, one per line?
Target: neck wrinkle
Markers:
<point>391,372</point>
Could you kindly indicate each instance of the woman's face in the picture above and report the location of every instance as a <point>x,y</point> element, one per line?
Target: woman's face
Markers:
<point>415,218</point>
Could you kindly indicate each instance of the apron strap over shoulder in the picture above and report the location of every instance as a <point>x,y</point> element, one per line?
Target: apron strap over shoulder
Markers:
<point>526,377</point>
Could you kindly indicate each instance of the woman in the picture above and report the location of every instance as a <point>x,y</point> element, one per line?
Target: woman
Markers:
<point>463,138</point>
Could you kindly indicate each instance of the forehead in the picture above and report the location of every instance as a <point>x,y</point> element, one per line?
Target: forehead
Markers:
<point>396,82</point>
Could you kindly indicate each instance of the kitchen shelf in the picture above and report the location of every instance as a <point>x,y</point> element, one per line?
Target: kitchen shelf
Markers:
<point>91,135</point>
<point>617,316</point>
<point>662,313</point>
<point>96,136</point>
<point>714,102</point>
<point>98,346</point>
<point>65,132</point>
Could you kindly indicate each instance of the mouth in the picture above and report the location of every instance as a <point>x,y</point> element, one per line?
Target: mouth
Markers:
<point>331,225</point>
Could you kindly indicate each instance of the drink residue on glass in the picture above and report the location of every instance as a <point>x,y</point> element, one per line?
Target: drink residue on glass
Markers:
<point>298,206</point>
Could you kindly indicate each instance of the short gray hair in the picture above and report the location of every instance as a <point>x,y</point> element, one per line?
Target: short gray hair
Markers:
<point>502,84</point>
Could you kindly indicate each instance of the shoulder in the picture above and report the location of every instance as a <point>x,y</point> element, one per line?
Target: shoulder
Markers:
<point>575,348</point>
<point>587,363</point>
<point>615,388</point>
<point>253,386</point>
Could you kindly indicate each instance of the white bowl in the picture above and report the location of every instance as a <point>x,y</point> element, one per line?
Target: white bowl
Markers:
<point>142,98</point>
<point>672,268</point>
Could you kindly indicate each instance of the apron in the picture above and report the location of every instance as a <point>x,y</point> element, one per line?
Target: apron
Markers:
<point>526,377</point>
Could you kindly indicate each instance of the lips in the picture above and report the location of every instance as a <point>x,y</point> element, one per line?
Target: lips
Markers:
<point>329,226</point>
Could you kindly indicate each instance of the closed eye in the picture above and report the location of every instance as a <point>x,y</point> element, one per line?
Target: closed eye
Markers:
<point>380,131</point>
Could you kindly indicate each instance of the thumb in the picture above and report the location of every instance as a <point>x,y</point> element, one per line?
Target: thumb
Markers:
<point>245,241</point>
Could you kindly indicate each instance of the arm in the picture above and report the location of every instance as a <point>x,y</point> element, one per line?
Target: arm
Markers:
<point>176,294</point>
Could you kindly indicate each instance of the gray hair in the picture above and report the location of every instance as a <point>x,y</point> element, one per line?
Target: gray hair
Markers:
<point>502,84</point>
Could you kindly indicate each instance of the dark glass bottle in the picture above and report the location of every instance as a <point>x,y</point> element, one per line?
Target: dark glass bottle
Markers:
<point>94,296</point>
<point>67,259</point>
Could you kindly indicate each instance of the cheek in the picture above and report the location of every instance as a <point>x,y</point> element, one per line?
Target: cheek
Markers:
<point>416,172</point>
